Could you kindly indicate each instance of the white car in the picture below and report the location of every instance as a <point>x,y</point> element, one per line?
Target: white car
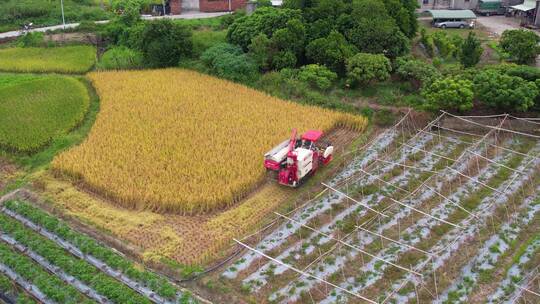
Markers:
<point>456,23</point>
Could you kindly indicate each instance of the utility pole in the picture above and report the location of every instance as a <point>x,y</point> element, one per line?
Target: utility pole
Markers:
<point>63,19</point>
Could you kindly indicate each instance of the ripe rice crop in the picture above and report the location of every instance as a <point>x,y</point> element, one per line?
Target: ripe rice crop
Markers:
<point>66,59</point>
<point>175,140</point>
<point>34,109</point>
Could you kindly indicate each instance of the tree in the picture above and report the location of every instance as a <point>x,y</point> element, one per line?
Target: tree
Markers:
<point>332,51</point>
<point>228,61</point>
<point>164,43</point>
<point>379,37</point>
<point>404,14</point>
<point>503,91</point>
<point>522,45</point>
<point>471,51</point>
<point>449,93</point>
<point>283,59</point>
<point>317,76</point>
<point>264,20</point>
<point>364,68</point>
<point>260,51</point>
<point>291,38</point>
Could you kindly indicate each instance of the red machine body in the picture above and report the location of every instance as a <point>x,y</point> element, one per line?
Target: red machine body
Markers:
<point>297,158</point>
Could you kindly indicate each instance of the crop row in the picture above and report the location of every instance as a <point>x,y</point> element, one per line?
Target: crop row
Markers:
<point>80,269</point>
<point>485,202</point>
<point>14,294</point>
<point>48,285</point>
<point>488,256</point>
<point>90,247</point>
<point>417,233</point>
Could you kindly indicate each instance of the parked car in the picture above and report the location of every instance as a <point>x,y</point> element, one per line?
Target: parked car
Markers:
<point>454,23</point>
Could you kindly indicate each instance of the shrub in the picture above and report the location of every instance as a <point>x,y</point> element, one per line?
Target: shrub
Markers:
<point>504,91</point>
<point>283,59</point>
<point>228,61</point>
<point>259,50</point>
<point>164,43</point>
<point>317,76</point>
<point>449,93</point>
<point>427,42</point>
<point>522,45</point>
<point>471,51</point>
<point>120,58</point>
<point>365,68</point>
<point>34,39</point>
<point>418,72</point>
<point>447,45</point>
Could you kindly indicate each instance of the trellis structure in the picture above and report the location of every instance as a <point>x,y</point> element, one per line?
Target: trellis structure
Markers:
<point>470,157</point>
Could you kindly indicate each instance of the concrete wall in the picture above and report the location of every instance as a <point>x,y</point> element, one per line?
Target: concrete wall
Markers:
<point>190,5</point>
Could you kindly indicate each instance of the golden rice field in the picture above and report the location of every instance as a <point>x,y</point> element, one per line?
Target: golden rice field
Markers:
<point>176,140</point>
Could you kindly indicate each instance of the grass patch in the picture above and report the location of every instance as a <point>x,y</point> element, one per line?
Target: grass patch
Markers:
<point>204,39</point>
<point>66,59</point>
<point>35,109</point>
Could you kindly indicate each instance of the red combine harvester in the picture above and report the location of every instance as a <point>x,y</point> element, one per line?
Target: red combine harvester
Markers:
<point>295,159</point>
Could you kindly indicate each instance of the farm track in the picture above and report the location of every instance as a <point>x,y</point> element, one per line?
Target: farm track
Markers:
<point>68,279</point>
<point>76,252</point>
<point>488,188</point>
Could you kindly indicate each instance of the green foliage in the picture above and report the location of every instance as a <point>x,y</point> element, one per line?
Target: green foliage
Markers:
<point>404,14</point>
<point>449,93</point>
<point>264,3</point>
<point>522,45</point>
<point>265,20</point>
<point>418,72</point>
<point>90,247</point>
<point>448,46</point>
<point>15,13</point>
<point>504,91</point>
<point>34,111</point>
<point>80,269</point>
<point>317,76</point>
<point>332,51</point>
<point>165,43</point>
<point>229,61</point>
<point>50,285</point>
<point>427,42</point>
<point>120,58</point>
<point>204,39</point>
<point>284,59</point>
<point>259,50</point>
<point>66,59</point>
<point>365,68</point>
<point>32,39</point>
<point>379,36</point>
<point>471,51</point>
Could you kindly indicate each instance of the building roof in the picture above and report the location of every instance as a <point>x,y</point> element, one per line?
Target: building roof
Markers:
<point>452,14</point>
<point>527,5</point>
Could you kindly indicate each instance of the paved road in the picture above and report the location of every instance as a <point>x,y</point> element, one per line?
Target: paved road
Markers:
<point>498,24</point>
<point>189,15</point>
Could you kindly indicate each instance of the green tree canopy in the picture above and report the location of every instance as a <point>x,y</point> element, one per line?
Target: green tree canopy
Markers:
<point>522,45</point>
<point>332,51</point>
<point>449,93</point>
<point>164,43</point>
<point>471,51</point>
<point>364,68</point>
<point>503,91</point>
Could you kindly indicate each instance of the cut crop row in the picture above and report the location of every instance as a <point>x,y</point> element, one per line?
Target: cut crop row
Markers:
<point>80,269</point>
<point>148,282</point>
<point>48,288</point>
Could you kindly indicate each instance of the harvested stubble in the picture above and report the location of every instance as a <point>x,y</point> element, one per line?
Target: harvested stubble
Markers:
<point>176,140</point>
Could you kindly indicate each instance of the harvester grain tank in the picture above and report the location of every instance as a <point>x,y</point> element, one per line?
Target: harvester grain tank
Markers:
<point>297,158</point>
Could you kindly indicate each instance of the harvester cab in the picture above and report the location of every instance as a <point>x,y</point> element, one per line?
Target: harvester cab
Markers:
<point>297,158</point>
